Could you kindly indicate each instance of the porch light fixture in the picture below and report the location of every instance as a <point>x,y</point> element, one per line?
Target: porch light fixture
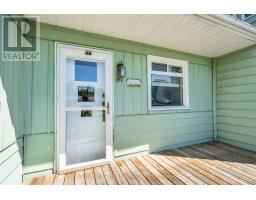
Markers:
<point>121,71</point>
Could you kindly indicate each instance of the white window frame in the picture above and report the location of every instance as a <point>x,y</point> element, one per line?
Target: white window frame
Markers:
<point>169,61</point>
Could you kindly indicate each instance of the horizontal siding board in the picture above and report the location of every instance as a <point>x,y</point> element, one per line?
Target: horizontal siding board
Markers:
<point>163,116</point>
<point>246,88</point>
<point>238,137</point>
<point>163,124</point>
<point>15,177</point>
<point>237,81</point>
<point>9,165</point>
<point>239,121</point>
<point>237,105</point>
<point>244,72</point>
<point>162,145</point>
<point>237,56</point>
<point>249,114</point>
<point>236,98</point>
<point>241,130</point>
<point>160,131</point>
<point>238,144</point>
<point>242,64</point>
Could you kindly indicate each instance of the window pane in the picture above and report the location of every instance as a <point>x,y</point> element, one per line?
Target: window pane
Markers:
<point>85,71</point>
<point>166,90</point>
<point>159,67</point>
<point>174,69</point>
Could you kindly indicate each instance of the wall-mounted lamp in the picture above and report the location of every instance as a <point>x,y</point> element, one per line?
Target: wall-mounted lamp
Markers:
<point>121,71</point>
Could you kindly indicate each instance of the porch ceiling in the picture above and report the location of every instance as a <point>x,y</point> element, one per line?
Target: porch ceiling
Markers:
<point>206,35</point>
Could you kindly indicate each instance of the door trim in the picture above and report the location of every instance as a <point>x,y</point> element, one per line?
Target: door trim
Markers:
<point>58,111</point>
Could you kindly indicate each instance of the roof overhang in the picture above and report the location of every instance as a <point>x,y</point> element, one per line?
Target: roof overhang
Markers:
<point>205,35</point>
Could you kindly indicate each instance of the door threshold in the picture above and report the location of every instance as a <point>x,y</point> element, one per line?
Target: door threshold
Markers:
<point>82,166</point>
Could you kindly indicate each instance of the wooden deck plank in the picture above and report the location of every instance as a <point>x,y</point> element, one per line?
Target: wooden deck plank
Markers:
<point>69,178</point>
<point>164,171</point>
<point>89,176</point>
<point>160,159</point>
<point>162,179</point>
<point>38,180</point>
<point>241,161</point>
<point>48,180</point>
<point>196,180</point>
<point>189,168</point>
<point>250,172</point>
<point>99,176</point>
<point>79,177</point>
<point>120,178</point>
<point>228,168</point>
<point>198,172</point>
<point>141,179</point>
<point>59,179</point>
<point>27,182</point>
<point>146,173</point>
<point>217,167</point>
<point>127,173</point>
<point>108,173</point>
<point>208,166</point>
<point>248,154</point>
<point>245,157</point>
<point>217,177</point>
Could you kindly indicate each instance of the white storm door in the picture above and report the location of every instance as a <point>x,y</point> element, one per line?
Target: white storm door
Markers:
<point>84,107</point>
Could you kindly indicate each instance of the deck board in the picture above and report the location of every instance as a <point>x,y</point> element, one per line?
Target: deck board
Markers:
<point>89,176</point>
<point>203,164</point>
<point>79,177</point>
<point>108,173</point>
<point>127,173</point>
<point>99,176</point>
<point>69,178</point>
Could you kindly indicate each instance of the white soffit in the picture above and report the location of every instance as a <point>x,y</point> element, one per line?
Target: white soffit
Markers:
<point>206,35</point>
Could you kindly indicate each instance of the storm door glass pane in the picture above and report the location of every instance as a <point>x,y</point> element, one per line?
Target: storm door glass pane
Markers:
<point>85,137</point>
<point>85,83</point>
<point>85,114</point>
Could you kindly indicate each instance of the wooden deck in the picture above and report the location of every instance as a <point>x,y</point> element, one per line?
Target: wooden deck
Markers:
<point>209,163</point>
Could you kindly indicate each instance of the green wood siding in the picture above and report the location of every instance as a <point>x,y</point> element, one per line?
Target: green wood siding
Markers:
<point>10,122</point>
<point>139,130</point>
<point>136,129</point>
<point>236,98</point>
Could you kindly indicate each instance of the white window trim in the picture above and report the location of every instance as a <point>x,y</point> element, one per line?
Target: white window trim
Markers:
<point>169,61</point>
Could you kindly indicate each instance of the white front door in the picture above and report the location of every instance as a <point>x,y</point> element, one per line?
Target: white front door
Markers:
<point>84,107</point>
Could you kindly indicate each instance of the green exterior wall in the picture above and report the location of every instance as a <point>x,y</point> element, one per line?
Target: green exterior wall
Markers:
<point>236,98</point>
<point>136,129</point>
<point>10,122</point>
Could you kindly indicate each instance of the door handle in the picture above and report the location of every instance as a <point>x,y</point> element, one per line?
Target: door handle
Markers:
<point>108,108</point>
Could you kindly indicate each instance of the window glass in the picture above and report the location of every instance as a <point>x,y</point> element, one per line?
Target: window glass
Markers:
<point>85,71</point>
<point>166,90</point>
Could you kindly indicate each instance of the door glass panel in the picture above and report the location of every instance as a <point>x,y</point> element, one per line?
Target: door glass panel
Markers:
<point>85,83</point>
<point>85,129</point>
<point>85,137</point>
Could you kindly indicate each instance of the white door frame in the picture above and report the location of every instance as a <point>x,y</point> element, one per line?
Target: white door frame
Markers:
<point>62,49</point>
